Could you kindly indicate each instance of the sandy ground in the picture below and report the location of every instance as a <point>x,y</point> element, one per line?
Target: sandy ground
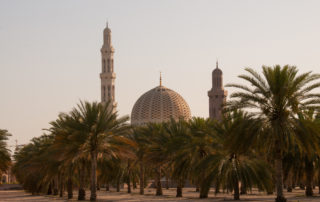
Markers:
<point>169,195</point>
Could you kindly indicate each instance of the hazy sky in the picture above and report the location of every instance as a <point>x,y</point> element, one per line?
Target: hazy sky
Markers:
<point>50,50</point>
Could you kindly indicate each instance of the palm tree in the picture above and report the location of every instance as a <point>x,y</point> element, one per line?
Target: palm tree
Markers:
<point>33,167</point>
<point>178,131</point>
<point>156,152</point>
<point>276,97</point>
<point>141,140</point>
<point>292,166</point>
<point>5,159</point>
<point>68,149</point>
<point>307,124</point>
<point>231,170</point>
<point>201,143</point>
<point>228,166</point>
<point>102,132</point>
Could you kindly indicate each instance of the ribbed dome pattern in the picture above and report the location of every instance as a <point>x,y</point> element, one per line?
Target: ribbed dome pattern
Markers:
<point>159,105</point>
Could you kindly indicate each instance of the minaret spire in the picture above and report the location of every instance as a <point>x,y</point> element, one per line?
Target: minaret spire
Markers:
<point>217,95</point>
<point>107,75</point>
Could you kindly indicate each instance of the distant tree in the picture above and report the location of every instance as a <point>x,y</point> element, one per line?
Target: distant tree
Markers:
<point>5,160</point>
<point>33,169</point>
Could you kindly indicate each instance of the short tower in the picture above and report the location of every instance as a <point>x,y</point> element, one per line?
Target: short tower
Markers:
<point>217,95</point>
<point>107,71</point>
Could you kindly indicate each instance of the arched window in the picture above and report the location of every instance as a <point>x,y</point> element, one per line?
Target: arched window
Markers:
<point>109,92</point>
<point>113,92</point>
<point>104,94</point>
<point>108,65</point>
<point>103,65</point>
<point>112,65</point>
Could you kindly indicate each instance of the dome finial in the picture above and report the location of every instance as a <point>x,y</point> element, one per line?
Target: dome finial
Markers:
<point>160,79</point>
<point>107,24</point>
<point>217,64</point>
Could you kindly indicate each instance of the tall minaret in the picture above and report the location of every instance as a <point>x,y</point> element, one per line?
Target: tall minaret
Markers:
<point>107,71</point>
<point>217,95</point>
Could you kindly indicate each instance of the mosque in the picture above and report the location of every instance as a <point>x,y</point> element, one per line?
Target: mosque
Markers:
<point>160,103</point>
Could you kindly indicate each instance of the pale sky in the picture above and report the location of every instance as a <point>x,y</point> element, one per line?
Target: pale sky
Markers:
<point>50,50</point>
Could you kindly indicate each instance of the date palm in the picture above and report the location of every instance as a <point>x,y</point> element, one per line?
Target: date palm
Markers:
<point>178,158</point>
<point>156,152</point>
<point>237,164</point>
<point>67,149</point>
<point>140,137</point>
<point>192,142</point>
<point>32,168</point>
<point>102,133</point>
<point>277,97</point>
<point>5,159</point>
<point>307,124</point>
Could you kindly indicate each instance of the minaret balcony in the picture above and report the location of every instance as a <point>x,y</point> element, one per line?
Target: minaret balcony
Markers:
<point>216,91</point>
<point>108,75</point>
<point>107,49</point>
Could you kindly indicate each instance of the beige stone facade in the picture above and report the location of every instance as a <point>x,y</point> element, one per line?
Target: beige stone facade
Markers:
<point>107,75</point>
<point>217,95</point>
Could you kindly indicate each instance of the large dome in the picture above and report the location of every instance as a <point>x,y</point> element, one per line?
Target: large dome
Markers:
<point>159,105</point>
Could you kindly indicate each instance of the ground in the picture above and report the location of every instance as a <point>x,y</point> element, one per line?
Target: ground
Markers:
<point>169,196</point>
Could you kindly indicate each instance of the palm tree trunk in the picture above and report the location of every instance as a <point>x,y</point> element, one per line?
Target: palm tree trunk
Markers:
<point>279,174</point>
<point>61,187</point>
<point>81,192</point>
<point>55,186</point>
<point>289,183</point>
<point>217,191</point>
<point>129,184</point>
<point>158,182</point>
<point>118,184</point>
<point>293,180</point>
<point>310,174</point>
<point>93,184</point>
<point>204,189</point>
<point>236,195</point>
<point>141,178</point>
<point>319,181</point>
<point>179,188</point>
<point>69,188</point>
<point>49,189</point>
<point>128,177</point>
